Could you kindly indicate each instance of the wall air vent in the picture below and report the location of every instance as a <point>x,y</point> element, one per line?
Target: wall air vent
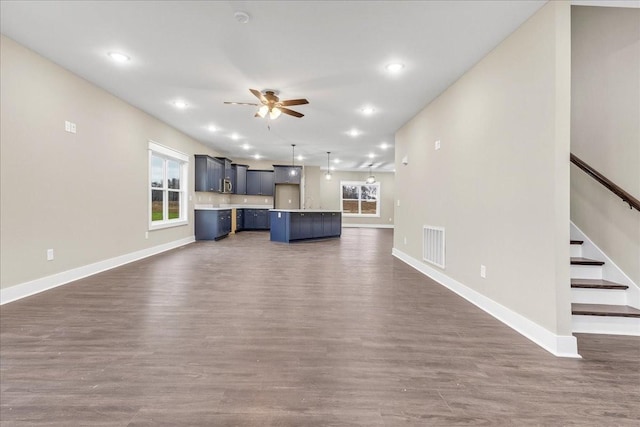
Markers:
<point>433,245</point>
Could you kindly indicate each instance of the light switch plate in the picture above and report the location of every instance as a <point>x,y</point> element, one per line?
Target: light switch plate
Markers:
<point>437,144</point>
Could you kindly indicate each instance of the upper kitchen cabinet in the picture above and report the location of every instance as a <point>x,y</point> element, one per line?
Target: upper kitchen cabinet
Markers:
<point>260,182</point>
<point>240,185</point>
<point>228,170</point>
<point>209,173</point>
<point>287,174</point>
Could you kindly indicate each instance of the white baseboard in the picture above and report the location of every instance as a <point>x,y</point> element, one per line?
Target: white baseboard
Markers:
<point>558,345</point>
<point>367,225</point>
<point>22,290</point>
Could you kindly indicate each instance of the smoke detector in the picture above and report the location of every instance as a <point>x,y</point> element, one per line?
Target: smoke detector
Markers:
<point>241,17</point>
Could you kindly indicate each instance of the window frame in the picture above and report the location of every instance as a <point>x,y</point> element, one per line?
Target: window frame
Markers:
<point>168,154</point>
<point>359,184</point>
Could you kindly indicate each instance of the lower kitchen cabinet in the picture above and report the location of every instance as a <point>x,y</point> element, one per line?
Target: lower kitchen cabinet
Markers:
<point>256,219</point>
<point>288,226</point>
<point>239,219</point>
<point>212,224</point>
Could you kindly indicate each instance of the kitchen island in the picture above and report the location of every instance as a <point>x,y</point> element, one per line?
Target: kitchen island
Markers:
<point>303,224</point>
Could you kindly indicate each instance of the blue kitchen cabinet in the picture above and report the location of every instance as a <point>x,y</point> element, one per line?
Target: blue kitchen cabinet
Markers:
<point>212,224</point>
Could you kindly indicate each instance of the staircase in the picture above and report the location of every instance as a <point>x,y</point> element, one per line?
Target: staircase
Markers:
<point>599,306</point>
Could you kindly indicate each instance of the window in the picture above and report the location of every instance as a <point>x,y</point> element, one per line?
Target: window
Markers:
<point>168,171</point>
<point>360,198</point>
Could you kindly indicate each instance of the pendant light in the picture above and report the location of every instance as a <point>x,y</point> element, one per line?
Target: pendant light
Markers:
<point>371,179</point>
<point>327,175</point>
<point>293,172</point>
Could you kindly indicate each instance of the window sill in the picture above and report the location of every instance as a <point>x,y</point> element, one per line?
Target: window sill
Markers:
<point>171,224</point>
<point>360,215</point>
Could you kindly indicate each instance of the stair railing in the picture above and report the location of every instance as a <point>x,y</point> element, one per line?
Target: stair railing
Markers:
<point>626,197</point>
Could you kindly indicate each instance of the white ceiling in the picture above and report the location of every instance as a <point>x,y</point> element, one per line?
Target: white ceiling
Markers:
<point>331,52</point>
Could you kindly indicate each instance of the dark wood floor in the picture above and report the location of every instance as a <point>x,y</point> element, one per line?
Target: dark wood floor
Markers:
<point>252,333</point>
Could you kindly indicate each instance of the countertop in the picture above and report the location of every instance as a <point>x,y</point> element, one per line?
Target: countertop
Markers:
<point>224,207</point>
<point>306,210</point>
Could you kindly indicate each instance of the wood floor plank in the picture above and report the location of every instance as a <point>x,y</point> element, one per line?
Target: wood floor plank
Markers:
<point>248,332</point>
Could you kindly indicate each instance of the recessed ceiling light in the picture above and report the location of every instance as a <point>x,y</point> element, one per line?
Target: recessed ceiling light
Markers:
<point>256,156</point>
<point>384,145</point>
<point>246,146</point>
<point>336,160</point>
<point>300,157</point>
<point>234,136</point>
<point>180,104</point>
<point>371,155</point>
<point>241,17</point>
<point>212,128</point>
<point>118,57</point>
<point>394,67</point>
<point>368,110</point>
<point>354,132</point>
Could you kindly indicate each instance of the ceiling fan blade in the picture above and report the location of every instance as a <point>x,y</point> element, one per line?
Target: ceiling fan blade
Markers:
<point>259,95</point>
<point>241,103</point>
<point>293,102</point>
<point>291,112</point>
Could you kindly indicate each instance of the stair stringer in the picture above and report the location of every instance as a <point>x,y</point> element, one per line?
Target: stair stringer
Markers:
<point>610,271</point>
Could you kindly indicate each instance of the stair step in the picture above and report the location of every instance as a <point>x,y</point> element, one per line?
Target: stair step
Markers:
<point>577,242</point>
<point>596,284</point>
<point>585,261</point>
<point>604,310</point>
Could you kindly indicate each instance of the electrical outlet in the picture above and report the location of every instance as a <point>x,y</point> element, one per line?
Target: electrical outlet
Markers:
<point>67,126</point>
<point>245,200</point>
<point>483,271</point>
<point>398,204</point>
<point>146,234</point>
<point>266,200</point>
<point>405,240</point>
<point>390,219</point>
<point>50,255</point>
<point>73,128</point>
<point>289,201</point>
<point>437,144</point>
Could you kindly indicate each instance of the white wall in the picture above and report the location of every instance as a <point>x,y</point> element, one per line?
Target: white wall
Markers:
<point>605,128</point>
<point>85,195</point>
<point>500,183</point>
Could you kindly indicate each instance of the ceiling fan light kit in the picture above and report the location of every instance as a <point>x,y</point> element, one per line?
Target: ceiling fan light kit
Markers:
<point>271,106</point>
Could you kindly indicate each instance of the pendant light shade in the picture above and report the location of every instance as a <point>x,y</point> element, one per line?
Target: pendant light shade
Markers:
<point>371,179</point>
<point>327,175</point>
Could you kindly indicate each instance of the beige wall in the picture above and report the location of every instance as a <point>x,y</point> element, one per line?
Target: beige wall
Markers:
<point>605,128</point>
<point>325,194</point>
<point>85,194</point>
<point>500,183</point>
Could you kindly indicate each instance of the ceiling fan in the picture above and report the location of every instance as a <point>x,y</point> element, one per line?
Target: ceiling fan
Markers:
<point>271,105</point>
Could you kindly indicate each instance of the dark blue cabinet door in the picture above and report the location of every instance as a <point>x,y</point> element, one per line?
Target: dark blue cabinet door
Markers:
<point>336,224</point>
<point>253,183</point>
<point>239,219</point>
<point>241,180</point>
<point>249,219</point>
<point>262,219</point>
<point>316,224</point>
